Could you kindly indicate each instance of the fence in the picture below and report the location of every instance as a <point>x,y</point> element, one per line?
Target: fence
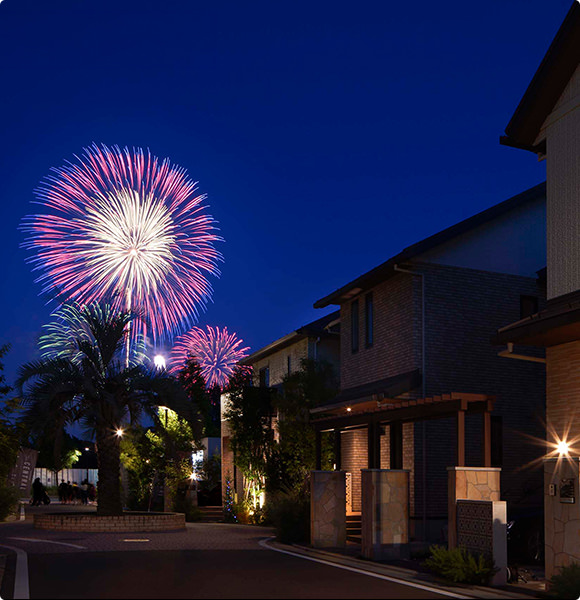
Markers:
<point>47,477</point>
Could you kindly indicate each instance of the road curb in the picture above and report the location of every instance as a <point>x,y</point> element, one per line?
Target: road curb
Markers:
<point>399,573</point>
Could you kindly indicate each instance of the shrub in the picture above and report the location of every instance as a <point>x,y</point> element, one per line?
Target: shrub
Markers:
<point>567,583</point>
<point>460,566</point>
<point>184,505</point>
<point>289,513</point>
<point>8,500</point>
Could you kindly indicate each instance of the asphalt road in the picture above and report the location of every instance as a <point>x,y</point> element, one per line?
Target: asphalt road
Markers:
<point>206,560</point>
<point>201,574</point>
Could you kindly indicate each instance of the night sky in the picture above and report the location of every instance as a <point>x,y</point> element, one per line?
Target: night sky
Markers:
<point>328,135</point>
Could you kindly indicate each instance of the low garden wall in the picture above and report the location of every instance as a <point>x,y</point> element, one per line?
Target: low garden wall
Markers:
<point>128,522</point>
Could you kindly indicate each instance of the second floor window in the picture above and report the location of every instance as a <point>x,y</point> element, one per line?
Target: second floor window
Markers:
<point>354,326</point>
<point>265,377</point>
<point>369,320</point>
<point>528,306</point>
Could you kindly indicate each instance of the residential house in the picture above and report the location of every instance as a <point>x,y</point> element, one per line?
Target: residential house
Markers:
<point>318,340</point>
<point>547,123</point>
<point>422,388</point>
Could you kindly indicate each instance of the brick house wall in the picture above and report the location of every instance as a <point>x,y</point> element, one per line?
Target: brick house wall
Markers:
<point>395,348</point>
<point>277,362</point>
<point>563,388</point>
<point>464,308</point>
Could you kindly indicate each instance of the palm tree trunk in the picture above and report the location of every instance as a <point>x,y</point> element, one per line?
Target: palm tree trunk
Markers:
<point>109,462</point>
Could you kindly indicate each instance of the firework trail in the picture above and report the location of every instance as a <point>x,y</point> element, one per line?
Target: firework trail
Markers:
<point>216,351</point>
<point>127,229</point>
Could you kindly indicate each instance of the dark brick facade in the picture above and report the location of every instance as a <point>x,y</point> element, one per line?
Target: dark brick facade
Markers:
<point>464,307</point>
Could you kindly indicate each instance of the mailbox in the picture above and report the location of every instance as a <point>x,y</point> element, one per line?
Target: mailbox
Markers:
<point>567,491</point>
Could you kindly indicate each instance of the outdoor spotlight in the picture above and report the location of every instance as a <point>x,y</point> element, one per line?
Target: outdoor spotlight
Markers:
<point>86,449</point>
<point>159,361</point>
<point>192,477</point>
<point>119,432</point>
<point>348,409</point>
<point>563,447</point>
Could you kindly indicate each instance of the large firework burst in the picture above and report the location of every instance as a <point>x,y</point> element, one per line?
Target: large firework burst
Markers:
<point>128,229</point>
<point>216,351</point>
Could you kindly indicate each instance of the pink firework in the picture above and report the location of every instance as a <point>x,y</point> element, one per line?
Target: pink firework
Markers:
<point>125,228</point>
<point>216,351</point>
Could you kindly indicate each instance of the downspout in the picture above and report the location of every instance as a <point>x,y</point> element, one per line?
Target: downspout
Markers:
<point>424,394</point>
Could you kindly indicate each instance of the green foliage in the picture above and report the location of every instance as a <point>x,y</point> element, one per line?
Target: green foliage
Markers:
<point>9,433</point>
<point>566,584</point>
<point>314,384</point>
<point>289,513</point>
<point>8,500</point>
<point>206,401</point>
<point>460,566</point>
<point>161,454</point>
<point>250,415</point>
<point>229,502</point>
<point>85,378</point>
<point>57,449</point>
<point>182,504</point>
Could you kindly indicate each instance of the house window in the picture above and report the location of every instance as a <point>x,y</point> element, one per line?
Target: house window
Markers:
<point>528,306</point>
<point>289,364</point>
<point>354,326</point>
<point>496,441</point>
<point>265,377</point>
<point>369,320</point>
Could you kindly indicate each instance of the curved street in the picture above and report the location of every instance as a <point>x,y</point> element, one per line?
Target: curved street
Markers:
<point>207,560</point>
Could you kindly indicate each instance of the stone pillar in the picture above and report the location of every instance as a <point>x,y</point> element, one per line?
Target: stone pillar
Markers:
<point>469,483</point>
<point>328,509</point>
<point>562,513</point>
<point>385,513</point>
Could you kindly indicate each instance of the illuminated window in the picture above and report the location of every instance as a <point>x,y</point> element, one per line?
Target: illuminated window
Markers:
<point>369,320</point>
<point>354,326</point>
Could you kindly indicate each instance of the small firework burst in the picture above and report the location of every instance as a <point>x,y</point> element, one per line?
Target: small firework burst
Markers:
<point>216,351</point>
<point>127,229</point>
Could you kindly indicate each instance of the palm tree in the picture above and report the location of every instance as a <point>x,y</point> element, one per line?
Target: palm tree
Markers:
<point>84,377</point>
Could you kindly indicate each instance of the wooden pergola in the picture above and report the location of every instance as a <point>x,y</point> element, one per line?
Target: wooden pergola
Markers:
<point>375,413</point>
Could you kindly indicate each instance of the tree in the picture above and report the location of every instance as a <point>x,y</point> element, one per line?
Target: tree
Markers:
<point>9,443</point>
<point>93,383</point>
<point>249,411</point>
<point>206,400</point>
<point>159,454</point>
<point>313,385</point>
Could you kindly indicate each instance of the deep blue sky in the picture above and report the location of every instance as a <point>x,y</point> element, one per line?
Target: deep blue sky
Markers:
<point>328,135</point>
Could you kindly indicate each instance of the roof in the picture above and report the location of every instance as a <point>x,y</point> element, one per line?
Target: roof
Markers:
<point>376,390</point>
<point>547,85</point>
<point>318,328</point>
<point>386,269</point>
<point>558,323</point>
<point>433,407</point>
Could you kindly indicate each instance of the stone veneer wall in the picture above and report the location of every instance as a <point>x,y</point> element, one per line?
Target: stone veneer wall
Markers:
<point>470,483</point>
<point>328,509</point>
<point>136,522</point>
<point>385,513</point>
<point>562,520</point>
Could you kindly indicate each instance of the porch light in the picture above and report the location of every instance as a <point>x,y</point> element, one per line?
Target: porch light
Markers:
<point>563,448</point>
